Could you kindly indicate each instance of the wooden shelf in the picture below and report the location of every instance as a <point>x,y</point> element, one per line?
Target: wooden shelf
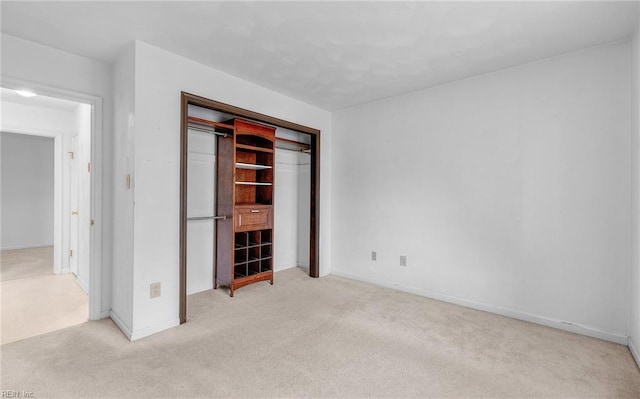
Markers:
<point>252,260</point>
<point>253,148</point>
<point>242,165</point>
<point>245,175</point>
<point>206,122</point>
<point>253,254</point>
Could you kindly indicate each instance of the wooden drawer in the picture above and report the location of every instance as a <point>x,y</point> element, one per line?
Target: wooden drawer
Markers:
<point>253,217</point>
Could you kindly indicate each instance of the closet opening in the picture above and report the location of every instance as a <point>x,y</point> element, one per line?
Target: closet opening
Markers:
<point>297,160</point>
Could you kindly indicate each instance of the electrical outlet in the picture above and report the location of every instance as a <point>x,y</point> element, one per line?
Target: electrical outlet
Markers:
<point>403,260</point>
<point>154,290</point>
<point>374,255</point>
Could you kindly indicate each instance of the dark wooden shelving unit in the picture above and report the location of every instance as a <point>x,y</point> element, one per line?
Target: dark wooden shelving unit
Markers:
<point>245,176</point>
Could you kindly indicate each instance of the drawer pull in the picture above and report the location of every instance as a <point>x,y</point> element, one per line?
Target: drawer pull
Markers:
<point>255,211</point>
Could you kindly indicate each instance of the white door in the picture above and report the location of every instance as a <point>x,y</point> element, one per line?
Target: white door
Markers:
<point>201,194</point>
<point>74,207</point>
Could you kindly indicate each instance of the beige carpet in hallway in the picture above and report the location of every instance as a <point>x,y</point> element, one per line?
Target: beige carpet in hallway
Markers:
<point>16,264</point>
<point>327,337</point>
<point>35,301</point>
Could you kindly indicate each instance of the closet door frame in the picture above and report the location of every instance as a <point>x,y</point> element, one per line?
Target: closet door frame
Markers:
<point>314,226</point>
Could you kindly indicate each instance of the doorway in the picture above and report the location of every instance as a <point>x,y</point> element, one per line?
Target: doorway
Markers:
<point>59,294</point>
<point>187,161</point>
<point>36,298</point>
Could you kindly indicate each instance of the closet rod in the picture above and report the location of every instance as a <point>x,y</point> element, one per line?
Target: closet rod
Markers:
<point>205,130</point>
<point>208,218</point>
<point>287,144</point>
<point>305,151</point>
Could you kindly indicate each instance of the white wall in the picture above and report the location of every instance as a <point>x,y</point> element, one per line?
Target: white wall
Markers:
<point>508,192</point>
<point>634,314</point>
<point>201,202</point>
<point>304,212</point>
<point>32,62</point>
<point>157,169</point>
<point>291,218</point>
<point>27,191</point>
<point>201,197</point>
<point>124,124</point>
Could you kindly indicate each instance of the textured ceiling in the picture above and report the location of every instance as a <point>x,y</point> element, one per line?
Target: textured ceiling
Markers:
<point>333,55</point>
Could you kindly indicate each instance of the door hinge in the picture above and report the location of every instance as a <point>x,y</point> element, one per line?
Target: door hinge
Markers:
<point>88,167</point>
<point>70,154</point>
<point>71,253</point>
<point>92,222</point>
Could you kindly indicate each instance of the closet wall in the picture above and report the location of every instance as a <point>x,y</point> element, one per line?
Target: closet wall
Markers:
<point>200,206</point>
<point>201,203</point>
<point>292,202</point>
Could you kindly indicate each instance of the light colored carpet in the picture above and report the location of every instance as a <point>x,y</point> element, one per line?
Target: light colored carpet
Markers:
<point>38,305</point>
<point>16,264</point>
<point>327,337</point>
<point>34,300</point>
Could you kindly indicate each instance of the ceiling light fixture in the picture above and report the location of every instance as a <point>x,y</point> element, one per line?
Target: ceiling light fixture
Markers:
<point>26,93</point>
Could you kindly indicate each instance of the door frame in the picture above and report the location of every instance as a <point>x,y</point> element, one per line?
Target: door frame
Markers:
<point>74,202</point>
<point>187,99</point>
<point>97,229</point>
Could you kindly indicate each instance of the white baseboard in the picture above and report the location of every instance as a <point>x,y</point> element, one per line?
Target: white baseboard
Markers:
<point>145,332</point>
<point>634,351</point>
<point>156,328</point>
<point>533,318</point>
<point>200,287</point>
<point>123,327</point>
<point>25,246</point>
<point>104,314</point>
<point>83,285</point>
<point>281,267</point>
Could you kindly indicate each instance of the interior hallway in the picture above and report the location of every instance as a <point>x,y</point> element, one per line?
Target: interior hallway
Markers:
<point>328,337</point>
<point>34,300</point>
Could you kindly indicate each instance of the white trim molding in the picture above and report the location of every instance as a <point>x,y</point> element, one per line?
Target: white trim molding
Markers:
<point>145,332</point>
<point>634,351</point>
<point>156,328</point>
<point>121,325</point>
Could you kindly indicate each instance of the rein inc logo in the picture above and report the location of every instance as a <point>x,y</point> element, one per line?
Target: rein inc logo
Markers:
<point>14,393</point>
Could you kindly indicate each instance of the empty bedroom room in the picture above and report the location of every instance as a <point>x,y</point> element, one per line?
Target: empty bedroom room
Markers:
<point>345,199</point>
